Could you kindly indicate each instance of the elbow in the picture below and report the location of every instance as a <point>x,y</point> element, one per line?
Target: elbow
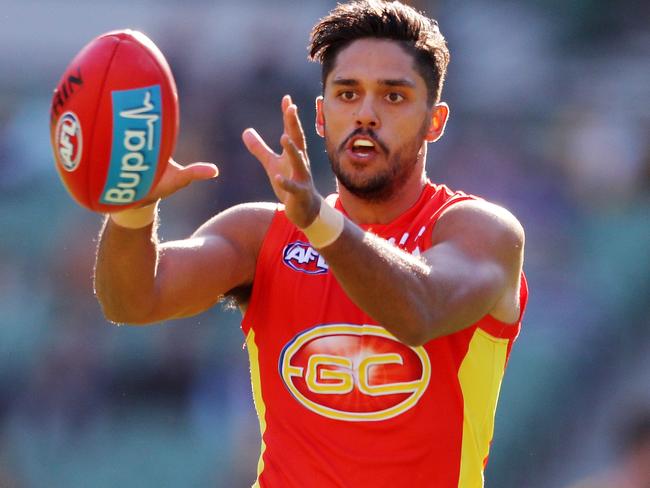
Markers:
<point>116,317</point>
<point>120,318</point>
<point>415,325</point>
<point>423,327</point>
<point>419,336</point>
<point>416,333</point>
<point>124,308</point>
<point>408,322</point>
<point>413,340</point>
<point>120,315</point>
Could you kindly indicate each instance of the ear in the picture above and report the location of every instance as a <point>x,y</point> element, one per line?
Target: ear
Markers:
<point>320,117</point>
<point>439,118</point>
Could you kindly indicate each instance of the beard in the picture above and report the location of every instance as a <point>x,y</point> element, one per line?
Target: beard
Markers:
<point>385,183</point>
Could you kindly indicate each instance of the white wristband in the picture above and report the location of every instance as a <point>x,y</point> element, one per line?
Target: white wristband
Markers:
<point>327,226</point>
<point>135,218</point>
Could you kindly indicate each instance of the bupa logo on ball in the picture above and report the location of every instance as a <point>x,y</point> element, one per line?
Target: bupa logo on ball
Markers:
<point>137,122</point>
<point>354,372</point>
<point>68,141</point>
<point>300,256</point>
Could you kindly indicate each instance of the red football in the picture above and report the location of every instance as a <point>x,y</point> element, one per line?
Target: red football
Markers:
<point>114,121</point>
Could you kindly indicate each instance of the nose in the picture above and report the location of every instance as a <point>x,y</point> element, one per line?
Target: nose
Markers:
<point>367,116</point>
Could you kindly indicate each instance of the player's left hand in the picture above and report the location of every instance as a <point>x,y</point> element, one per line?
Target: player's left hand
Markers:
<point>288,172</point>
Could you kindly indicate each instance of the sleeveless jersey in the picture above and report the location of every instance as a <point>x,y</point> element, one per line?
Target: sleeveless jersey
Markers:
<point>340,401</point>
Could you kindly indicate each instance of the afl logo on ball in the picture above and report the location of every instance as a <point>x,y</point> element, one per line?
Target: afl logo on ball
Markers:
<point>354,372</point>
<point>68,141</point>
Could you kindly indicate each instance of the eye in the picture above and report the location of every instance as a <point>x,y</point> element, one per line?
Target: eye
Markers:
<point>348,96</point>
<point>394,97</point>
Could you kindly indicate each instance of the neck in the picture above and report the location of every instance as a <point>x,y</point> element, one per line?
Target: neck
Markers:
<point>364,212</point>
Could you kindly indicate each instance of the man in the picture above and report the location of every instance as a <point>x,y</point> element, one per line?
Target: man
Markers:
<point>378,321</point>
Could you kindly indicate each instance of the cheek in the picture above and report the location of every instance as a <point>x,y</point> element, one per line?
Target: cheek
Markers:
<point>408,126</point>
<point>329,114</point>
<point>333,124</point>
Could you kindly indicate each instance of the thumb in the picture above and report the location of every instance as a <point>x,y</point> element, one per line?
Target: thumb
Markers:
<point>201,171</point>
<point>197,171</point>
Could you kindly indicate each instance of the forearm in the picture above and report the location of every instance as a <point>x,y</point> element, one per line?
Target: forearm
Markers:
<point>444,290</point>
<point>390,285</point>
<point>125,272</point>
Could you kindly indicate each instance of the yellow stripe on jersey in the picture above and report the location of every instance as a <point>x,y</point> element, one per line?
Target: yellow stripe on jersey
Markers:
<point>480,376</point>
<point>253,356</point>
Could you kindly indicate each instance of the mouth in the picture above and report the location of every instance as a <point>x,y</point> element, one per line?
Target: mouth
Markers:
<point>362,147</point>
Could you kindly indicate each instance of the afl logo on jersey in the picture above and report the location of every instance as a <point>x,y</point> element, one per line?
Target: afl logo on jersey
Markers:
<point>300,256</point>
<point>354,372</point>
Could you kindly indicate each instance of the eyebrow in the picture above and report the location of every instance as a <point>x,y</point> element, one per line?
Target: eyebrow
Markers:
<point>398,82</point>
<point>403,82</point>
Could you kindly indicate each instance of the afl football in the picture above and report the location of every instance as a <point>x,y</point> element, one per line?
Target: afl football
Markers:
<point>114,121</point>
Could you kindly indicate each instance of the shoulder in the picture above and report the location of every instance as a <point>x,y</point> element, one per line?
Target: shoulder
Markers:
<point>252,211</point>
<point>490,240</point>
<point>245,217</point>
<point>243,226</point>
<point>482,222</point>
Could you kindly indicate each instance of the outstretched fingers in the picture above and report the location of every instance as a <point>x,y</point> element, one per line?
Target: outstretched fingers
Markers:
<point>289,171</point>
<point>257,147</point>
<point>288,184</point>
<point>286,101</point>
<point>292,125</point>
<point>297,159</point>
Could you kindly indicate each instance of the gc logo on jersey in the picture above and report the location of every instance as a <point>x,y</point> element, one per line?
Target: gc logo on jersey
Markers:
<point>354,372</point>
<point>300,256</point>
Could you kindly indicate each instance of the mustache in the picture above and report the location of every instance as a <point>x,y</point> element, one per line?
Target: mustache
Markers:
<point>370,134</point>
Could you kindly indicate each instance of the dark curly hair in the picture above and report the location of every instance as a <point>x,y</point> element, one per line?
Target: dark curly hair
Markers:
<point>417,34</point>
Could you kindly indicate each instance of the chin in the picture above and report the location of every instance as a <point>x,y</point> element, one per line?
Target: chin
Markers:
<point>370,182</point>
<point>375,189</point>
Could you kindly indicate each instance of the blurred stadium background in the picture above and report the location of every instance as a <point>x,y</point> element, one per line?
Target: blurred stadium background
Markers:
<point>550,117</point>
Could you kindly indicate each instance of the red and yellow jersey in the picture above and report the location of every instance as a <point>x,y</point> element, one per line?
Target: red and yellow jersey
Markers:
<point>341,402</point>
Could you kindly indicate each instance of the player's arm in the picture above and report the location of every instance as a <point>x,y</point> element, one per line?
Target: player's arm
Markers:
<point>472,269</point>
<point>138,280</point>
